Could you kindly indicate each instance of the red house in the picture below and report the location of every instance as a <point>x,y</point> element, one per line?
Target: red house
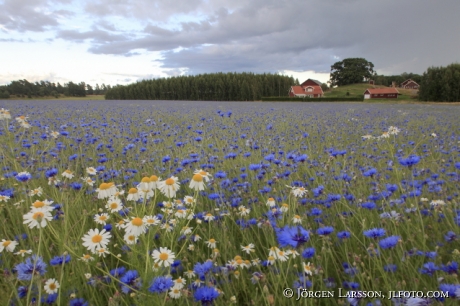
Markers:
<point>409,84</point>
<point>381,93</point>
<point>310,88</point>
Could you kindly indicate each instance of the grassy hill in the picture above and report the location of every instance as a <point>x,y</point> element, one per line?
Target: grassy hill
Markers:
<point>359,89</point>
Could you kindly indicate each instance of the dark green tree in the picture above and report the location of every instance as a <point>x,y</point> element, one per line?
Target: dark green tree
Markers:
<point>351,71</point>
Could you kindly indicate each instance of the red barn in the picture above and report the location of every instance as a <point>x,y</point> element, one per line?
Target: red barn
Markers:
<point>409,84</point>
<point>310,88</point>
<point>381,93</point>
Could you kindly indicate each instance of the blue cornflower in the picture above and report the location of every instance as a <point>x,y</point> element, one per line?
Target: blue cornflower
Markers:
<point>389,242</point>
<point>220,174</point>
<point>254,167</point>
<point>324,231</point>
<point>206,295</point>
<point>131,279</point>
<point>202,268</point>
<point>59,260</point>
<point>451,288</point>
<point>450,268</point>
<point>371,172</point>
<point>76,186</point>
<point>343,235</point>
<point>368,205</point>
<point>78,302</point>
<point>33,264</point>
<point>161,284</point>
<point>50,299</point>
<point>117,272</point>
<point>450,236</point>
<point>23,176</point>
<point>293,236</point>
<point>390,268</point>
<point>51,172</point>
<point>409,161</point>
<point>375,233</point>
<point>308,253</point>
<point>429,268</point>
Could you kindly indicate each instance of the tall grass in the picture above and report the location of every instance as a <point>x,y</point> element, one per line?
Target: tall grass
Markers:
<point>254,153</point>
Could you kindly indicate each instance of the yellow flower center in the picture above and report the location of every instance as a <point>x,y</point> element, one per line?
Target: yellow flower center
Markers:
<point>198,178</point>
<point>114,205</point>
<point>132,191</point>
<point>164,256</point>
<point>101,250</point>
<point>212,240</point>
<point>131,237</point>
<point>38,204</point>
<point>203,172</point>
<point>137,221</point>
<point>180,211</point>
<point>271,199</point>
<point>239,261</point>
<point>87,256</point>
<point>145,180</point>
<point>237,257</point>
<point>6,243</point>
<point>169,182</point>
<point>68,171</point>
<point>22,117</point>
<point>271,258</point>
<point>154,178</point>
<point>96,238</point>
<point>38,215</point>
<point>102,218</point>
<point>297,217</point>
<point>52,286</point>
<point>105,186</point>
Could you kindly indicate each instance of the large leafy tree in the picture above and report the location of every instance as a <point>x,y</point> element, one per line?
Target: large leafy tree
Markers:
<point>351,71</point>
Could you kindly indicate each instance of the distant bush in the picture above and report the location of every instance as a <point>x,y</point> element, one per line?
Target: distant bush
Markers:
<point>4,95</point>
<point>306,99</point>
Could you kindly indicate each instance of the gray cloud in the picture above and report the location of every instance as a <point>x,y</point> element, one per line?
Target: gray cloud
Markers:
<point>29,15</point>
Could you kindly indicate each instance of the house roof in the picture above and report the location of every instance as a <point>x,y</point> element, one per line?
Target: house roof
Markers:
<point>316,81</point>
<point>299,90</point>
<point>386,90</point>
<point>407,82</point>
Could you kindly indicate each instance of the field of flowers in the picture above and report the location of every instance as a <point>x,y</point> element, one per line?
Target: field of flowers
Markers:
<point>195,203</point>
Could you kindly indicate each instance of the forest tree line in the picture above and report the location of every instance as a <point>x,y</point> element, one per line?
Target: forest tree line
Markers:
<point>206,87</point>
<point>441,84</point>
<point>24,88</point>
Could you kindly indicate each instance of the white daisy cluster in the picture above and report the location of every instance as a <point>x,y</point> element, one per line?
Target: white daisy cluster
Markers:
<point>39,214</point>
<point>392,130</point>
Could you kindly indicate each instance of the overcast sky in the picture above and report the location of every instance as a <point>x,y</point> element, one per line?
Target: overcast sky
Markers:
<point>123,41</point>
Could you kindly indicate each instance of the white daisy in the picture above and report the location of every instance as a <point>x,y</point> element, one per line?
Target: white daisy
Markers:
<point>209,217</point>
<point>174,293</point>
<point>91,171</point>
<point>45,204</point>
<point>23,252</point>
<point>151,220</point>
<point>135,226</point>
<point>133,195</point>
<point>248,248</point>
<point>51,286</point>
<point>106,190</point>
<point>296,219</point>
<point>114,205</point>
<point>37,191</point>
<point>163,257</point>
<point>211,243</point>
<point>190,273</point>
<point>284,207</point>
<point>154,181</point>
<point>299,192</point>
<point>4,198</point>
<point>179,283</point>
<point>188,200</point>
<point>95,239</point>
<point>271,202</point>
<point>197,183</point>
<point>130,238</point>
<point>101,252</point>
<point>68,174</point>
<point>169,187</point>
<point>204,174</point>
<point>102,218</point>
<point>37,217</point>
<point>88,181</point>
<point>8,245</point>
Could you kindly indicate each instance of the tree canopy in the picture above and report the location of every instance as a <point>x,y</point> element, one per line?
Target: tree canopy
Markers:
<point>351,71</point>
<point>206,87</point>
<point>441,84</point>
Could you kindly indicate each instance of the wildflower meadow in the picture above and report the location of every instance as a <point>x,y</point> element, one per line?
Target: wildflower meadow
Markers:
<point>211,203</point>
